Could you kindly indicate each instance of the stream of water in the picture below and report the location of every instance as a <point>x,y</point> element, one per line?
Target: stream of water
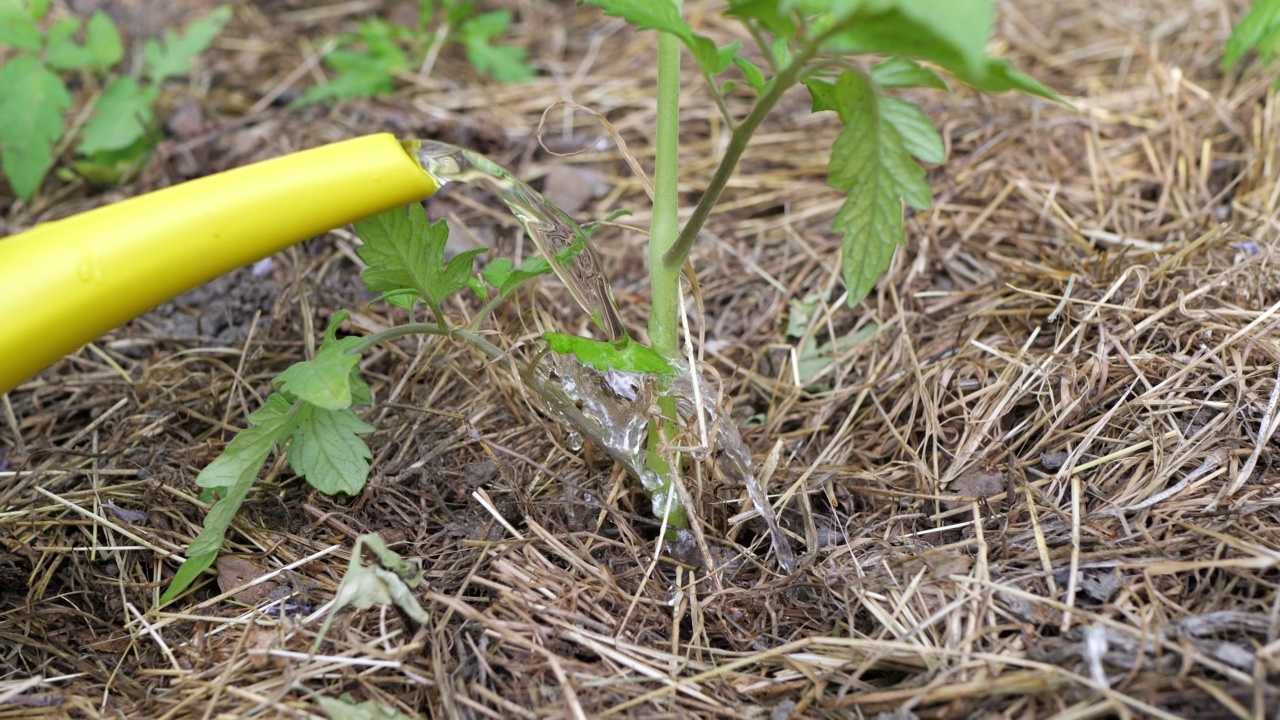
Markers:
<point>614,408</point>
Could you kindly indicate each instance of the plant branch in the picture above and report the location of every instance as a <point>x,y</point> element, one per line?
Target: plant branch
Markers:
<point>717,94</point>
<point>469,337</point>
<point>399,331</point>
<point>783,81</point>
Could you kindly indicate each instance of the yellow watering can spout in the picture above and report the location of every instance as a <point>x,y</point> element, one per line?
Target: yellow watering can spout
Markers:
<point>64,283</point>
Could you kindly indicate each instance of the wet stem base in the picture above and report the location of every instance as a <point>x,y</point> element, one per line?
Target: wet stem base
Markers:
<point>664,280</point>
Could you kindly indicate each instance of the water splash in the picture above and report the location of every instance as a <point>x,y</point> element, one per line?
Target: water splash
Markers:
<point>557,236</point>
<point>614,408</point>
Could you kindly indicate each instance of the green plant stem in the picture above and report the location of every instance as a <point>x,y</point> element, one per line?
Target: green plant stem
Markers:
<point>398,331</point>
<point>470,337</point>
<point>664,281</point>
<point>673,258</point>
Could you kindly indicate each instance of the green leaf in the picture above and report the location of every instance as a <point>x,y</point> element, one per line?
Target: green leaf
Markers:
<point>500,274</point>
<point>62,52</point>
<point>324,382</point>
<point>232,475</point>
<point>121,115</point>
<point>457,11</point>
<point>112,167</point>
<point>1262,19</point>
<point>37,8</point>
<point>900,72</point>
<point>18,27</point>
<point>769,13</point>
<point>359,75</point>
<point>663,16</point>
<point>32,100</point>
<point>404,251</point>
<point>822,94</point>
<point>952,35</point>
<point>711,59</point>
<point>486,26</point>
<point>173,56</point>
<point>871,161</point>
<point>752,72</point>
<point>103,40</point>
<point>630,356</point>
<point>327,450</point>
<point>504,63</point>
<point>918,134</point>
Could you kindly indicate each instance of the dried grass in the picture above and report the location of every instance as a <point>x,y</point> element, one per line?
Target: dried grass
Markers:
<point>1045,486</point>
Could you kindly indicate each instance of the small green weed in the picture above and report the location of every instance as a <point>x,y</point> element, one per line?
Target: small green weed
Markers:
<point>120,132</point>
<point>367,60</point>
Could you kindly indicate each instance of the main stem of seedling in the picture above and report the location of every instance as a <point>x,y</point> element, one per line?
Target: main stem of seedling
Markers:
<point>664,280</point>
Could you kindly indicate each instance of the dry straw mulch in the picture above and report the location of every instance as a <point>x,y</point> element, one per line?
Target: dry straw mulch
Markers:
<point>1043,485</point>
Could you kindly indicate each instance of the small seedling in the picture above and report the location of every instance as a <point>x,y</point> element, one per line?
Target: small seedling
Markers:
<point>35,100</point>
<point>367,60</point>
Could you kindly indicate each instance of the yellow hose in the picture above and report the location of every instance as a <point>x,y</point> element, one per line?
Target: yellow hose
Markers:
<point>64,283</point>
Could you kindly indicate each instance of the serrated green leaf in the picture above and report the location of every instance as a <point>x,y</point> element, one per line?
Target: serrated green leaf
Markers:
<point>327,450</point>
<point>121,115</point>
<point>752,72</point>
<point>919,136</point>
<point>504,63</point>
<point>630,356</point>
<point>324,382</point>
<point>37,8</point>
<point>232,474</point>
<point>32,100</point>
<point>487,25</point>
<point>870,161</point>
<point>359,75</point>
<point>62,52</point>
<point>1262,19</point>
<point>404,251</point>
<point>18,29</point>
<point>661,15</point>
<point>173,56</point>
<point>900,72</point>
<point>102,37</point>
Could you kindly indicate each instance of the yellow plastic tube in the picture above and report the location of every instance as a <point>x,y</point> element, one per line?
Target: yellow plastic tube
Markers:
<point>64,283</point>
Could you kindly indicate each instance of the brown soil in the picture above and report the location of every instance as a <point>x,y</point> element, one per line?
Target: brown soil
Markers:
<point>1045,485</point>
